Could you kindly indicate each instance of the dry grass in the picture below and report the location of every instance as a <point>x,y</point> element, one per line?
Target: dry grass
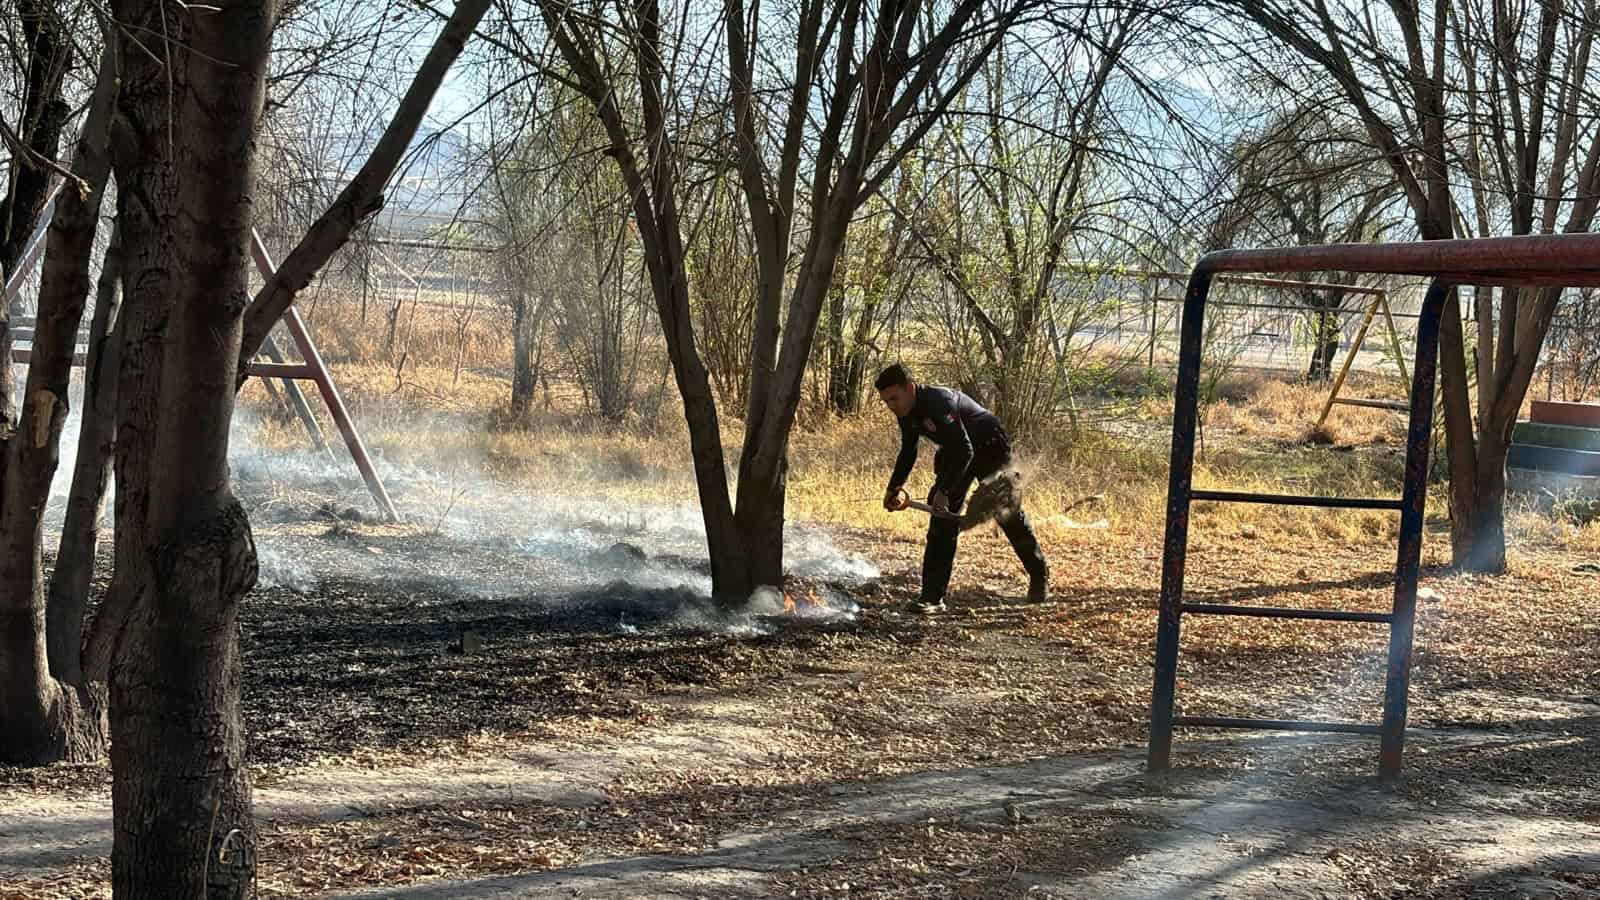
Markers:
<point>478,332</point>
<point>1257,436</point>
<point>1288,411</point>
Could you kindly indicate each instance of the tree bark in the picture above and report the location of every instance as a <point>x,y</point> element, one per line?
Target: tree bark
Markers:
<point>68,592</point>
<point>522,374</point>
<point>46,720</point>
<point>1324,347</point>
<point>181,793</point>
<point>1477,529</point>
<point>147,181</point>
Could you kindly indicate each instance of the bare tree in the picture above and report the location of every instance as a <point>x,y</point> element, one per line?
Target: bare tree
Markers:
<point>47,712</point>
<point>875,279</point>
<point>1489,97</point>
<point>877,79</point>
<point>1027,183</point>
<point>1302,180</point>
<point>512,200</point>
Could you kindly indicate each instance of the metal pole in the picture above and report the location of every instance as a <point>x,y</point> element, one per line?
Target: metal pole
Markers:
<point>341,415</point>
<point>1349,359</point>
<point>1155,304</point>
<point>1394,338</point>
<point>296,397</point>
<point>1185,414</point>
<point>1401,630</point>
<point>330,393</point>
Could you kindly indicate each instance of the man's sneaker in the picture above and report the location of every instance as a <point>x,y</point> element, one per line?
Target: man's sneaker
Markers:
<point>1039,588</point>
<point>925,608</point>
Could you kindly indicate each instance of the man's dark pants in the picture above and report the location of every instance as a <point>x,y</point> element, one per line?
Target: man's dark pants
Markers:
<point>940,555</point>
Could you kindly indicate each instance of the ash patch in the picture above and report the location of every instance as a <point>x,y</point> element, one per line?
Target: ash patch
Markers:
<point>625,607</point>
<point>394,663</point>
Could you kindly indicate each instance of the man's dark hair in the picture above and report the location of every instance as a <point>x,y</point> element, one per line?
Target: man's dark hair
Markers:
<point>893,376</point>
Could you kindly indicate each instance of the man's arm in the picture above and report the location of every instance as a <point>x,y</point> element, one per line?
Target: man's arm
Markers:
<point>906,459</point>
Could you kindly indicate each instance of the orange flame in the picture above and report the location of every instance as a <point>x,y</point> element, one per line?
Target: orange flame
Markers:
<point>810,598</point>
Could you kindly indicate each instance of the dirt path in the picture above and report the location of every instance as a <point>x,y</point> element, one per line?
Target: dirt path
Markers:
<point>990,752</point>
<point>1083,825</point>
<point>1101,829</point>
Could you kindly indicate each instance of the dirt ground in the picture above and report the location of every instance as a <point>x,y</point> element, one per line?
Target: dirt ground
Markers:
<point>507,728</point>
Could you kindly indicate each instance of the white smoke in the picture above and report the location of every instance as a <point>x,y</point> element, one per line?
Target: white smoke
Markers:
<point>643,564</point>
<point>641,555</point>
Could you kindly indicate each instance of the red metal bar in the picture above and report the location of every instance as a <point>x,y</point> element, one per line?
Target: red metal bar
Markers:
<point>1564,260</point>
<point>300,371</point>
<point>330,392</point>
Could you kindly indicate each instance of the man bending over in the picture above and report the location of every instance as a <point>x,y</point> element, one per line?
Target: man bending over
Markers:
<point>972,446</point>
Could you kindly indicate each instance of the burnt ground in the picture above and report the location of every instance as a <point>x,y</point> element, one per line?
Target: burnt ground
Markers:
<point>436,714</point>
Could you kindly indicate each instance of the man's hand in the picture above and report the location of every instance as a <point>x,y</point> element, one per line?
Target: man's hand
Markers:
<point>896,500</point>
<point>939,501</point>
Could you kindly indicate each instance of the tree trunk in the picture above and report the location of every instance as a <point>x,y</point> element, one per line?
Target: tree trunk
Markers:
<point>837,360</point>
<point>181,794</point>
<point>147,183</point>
<point>764,465</point>
<point>1324,347</point>
<point>760,515</point>
<point>46,720</point>
<point>68,592</point>
<point>1477,531</point>
<point>522,374</point>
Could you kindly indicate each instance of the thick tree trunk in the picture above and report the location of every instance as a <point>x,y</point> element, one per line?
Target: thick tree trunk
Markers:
<point>147,185</point>
<point>181,794</point>
<point>760,516</point>
<point>1477,530</point>
<point>68,592</point>
<point>46,720</point>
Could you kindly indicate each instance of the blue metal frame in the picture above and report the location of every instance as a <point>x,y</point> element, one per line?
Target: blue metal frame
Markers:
<point>1181,494</point>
